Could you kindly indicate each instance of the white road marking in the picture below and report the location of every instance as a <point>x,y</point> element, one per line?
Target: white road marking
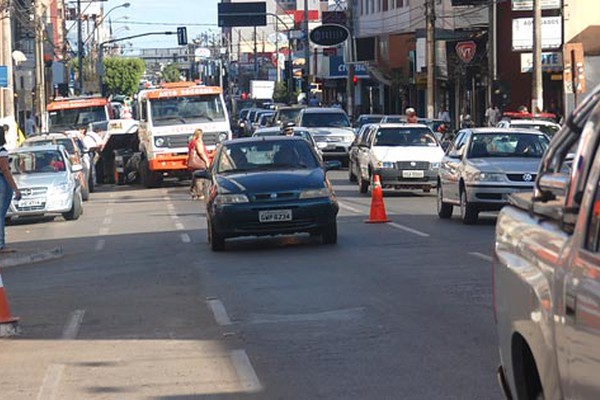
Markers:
<point>179,226</point>
<point>174,217</point>
<point>350,208</point>
<point>100,244</point>
<point>107,221</point>
<point>170,206</point>
<point>245,371</point>
<point>185,238</point>
<point>408,229</point>
<point>103,231</point>
<point>109,211</point>
<point>482,256</point>
<point>71,329</point>
<point>348,314</point>
<point>219,312</point>
<point>52,378</point>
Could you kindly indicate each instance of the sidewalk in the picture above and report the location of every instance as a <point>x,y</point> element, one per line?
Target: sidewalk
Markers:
<point>26,254</point>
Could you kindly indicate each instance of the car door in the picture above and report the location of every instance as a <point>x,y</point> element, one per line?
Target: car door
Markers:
<point>364,152</point>
<point>449,169</point>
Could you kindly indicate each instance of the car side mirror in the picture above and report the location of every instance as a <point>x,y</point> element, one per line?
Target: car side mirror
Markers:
<point>202,174</point>
<point>550,185</point>
<point>76,167</point>
<point>333,165</point>
<point>455,155</point>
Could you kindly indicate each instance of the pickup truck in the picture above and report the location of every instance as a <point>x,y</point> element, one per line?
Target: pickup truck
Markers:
<point>546,270</point>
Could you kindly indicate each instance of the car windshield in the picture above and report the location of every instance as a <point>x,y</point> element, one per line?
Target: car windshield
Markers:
<point>413,137</point>
<point>325,120</point>
<point>507,145</point>
<point>394,119</point>
<point>549,130</point>
<point>297,133</point>
<point>288,114</point>
<point>74,117</point>
<point>36,162</point>
<point>187,110</point>
<point>363,120</point>
<point>265,155</point>
<point>68,143</point>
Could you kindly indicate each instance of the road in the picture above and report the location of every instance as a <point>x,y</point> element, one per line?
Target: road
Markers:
<point>140,308</point>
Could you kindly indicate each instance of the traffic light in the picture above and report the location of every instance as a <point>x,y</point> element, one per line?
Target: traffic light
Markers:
<point>355,80</point>
<point>182,36</point>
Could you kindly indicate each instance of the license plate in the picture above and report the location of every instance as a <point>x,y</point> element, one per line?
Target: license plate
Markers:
<point>275,215</point>
<point>413,174</point>
<point>30,203</point>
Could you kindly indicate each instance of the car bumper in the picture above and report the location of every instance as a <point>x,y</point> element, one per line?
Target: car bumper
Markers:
<point>394,179</point>
<point>55,205</point>
<point>493,197</point>
<point>243,219</point>
<point>337,149</point>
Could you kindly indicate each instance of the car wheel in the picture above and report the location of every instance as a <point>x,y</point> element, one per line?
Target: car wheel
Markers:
<point>217,242</point>
<point>444,210</point>
<point>351,176</point>
<point>329,233</point>
<point>76,209</point>
<point>363,186</point>
<point>468,212</point>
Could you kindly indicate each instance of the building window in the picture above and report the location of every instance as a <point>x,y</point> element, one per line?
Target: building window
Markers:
<point>385,5</point>
<point>399,3</point>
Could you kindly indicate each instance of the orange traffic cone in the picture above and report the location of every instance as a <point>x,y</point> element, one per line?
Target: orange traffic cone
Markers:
<point>377,215</point>
<point>8,323</point>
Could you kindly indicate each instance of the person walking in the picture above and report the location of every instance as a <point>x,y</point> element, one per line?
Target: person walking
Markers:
<point>492,115</point>
<point>7,187</point>
<point>29,125</point>
<point>411,116</point>
<point>444,115</point>
<point>197,160</point>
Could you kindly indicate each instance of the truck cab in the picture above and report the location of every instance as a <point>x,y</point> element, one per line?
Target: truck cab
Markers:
<point>69,113</point>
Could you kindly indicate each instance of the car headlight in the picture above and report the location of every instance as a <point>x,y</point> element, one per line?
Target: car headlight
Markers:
<point>159,141</point>
<point>487,177</point>
<point>315,193</point>
<point>434,165</point>
<point>61,188</point>
<point>223,136</point>
<point>385,164</point>
<point>222,199</point>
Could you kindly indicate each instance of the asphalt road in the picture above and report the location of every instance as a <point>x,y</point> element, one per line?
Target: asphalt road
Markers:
<point>140,308</point>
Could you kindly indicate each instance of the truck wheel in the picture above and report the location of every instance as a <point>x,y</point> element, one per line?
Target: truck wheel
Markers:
<point>468,212</point>
<point>148,178</point>
<point>76,209</point>
<point>444,210</point>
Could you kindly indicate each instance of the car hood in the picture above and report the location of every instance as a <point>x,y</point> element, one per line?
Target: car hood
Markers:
<point>503,165</point>
<point>408,153</point>
<point>40,179</point>
<point>332,131</point>
<point>271,181</point>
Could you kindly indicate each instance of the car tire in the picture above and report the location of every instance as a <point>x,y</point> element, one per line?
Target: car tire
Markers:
<point>444,210</point>
<point>329,233</point>
<point>363,186</point>
<point>351,176</point>
<point>468,212</point>
<point>217,242</point>
<point>76,208</point>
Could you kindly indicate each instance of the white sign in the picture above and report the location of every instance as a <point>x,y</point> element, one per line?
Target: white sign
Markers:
<point>202,52</point>
<point>262,89</point>
<point>522,33</point>
<point>527,5</point>
<point>551,62</point>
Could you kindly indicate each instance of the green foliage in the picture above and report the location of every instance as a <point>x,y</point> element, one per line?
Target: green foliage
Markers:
<point>281,93</point>
<point>122,75</point>
<point>171,73</point>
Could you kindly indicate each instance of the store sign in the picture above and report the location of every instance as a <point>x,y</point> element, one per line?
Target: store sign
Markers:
<point>3,76</point>
<point>466,51</point>
<point>527,5</point>
<point>329,35</point>
<point>551,62</point>
<point>522,33</point>
<point>338,69</point>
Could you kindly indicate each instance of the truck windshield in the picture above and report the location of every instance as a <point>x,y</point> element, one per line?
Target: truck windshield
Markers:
<point>75,117</point>
<point>325,120</point>
<point>187,110</point>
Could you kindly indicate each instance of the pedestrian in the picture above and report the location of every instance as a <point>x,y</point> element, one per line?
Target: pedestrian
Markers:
<point>411,116</point>
<point>492,115</point>
<point>523,109</point>
<point>467,122</point>
<point>314,102</point>
<point>287,128</point>
<point>8,187</point>
<point>29,124</point>
<point>444,115</point>
<point>197,160</point>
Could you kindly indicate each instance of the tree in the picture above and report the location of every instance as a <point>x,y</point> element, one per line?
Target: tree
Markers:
<point>171,73</point>
<point>281,93</point>
<point>122,75</point>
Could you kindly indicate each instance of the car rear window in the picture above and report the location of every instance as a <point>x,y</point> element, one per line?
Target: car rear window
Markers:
<point>507,145</point>
<point>325,120</point>
<point>413,137</point>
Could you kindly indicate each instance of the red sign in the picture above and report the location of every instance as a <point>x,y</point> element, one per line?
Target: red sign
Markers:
<point>466,51</point>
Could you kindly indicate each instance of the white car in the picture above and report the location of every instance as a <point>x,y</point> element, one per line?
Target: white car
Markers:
<point>548,127</point>
<point>405,156</point>
<point>331,129</point>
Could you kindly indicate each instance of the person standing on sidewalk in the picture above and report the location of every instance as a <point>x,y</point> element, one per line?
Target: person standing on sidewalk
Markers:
<point>7,187</point>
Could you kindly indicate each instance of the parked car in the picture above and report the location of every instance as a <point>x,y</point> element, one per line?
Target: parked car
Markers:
<point>269,186</point>
<point>483,166</point>
<point>298,132</point>
<point>330,126</point>
<point>77,155</point>
<point>548,127</point>
<point>546,271</point>
<point>48,181</point>
<point>405,156</point>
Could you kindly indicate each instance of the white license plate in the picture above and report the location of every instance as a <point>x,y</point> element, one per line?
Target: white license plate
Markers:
<point>413,174</point>
<point>30,203</point>
<point>275,215</point>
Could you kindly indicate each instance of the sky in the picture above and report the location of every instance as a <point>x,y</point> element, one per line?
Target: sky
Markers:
<point>161,15</point>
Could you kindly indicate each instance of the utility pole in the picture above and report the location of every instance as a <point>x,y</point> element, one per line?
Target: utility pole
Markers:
<point>255,54</point>
<point>492,55</point>
<point>8,101</point>
<point>278,79</point>
<point>306,53</point>
<point>430,54</point>
<point>350,63</point>
<point>537,90</point>
<point>80,47</point>
<point>40,81</point>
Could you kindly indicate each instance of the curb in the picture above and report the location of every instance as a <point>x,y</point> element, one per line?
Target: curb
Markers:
<point>39,256</point>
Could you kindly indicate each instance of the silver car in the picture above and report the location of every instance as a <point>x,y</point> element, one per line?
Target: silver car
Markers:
<point>48,182</point>
<point>331,129</point>
<point>483,166</point>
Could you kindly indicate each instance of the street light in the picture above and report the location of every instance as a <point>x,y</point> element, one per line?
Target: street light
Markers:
<point>124,5</point>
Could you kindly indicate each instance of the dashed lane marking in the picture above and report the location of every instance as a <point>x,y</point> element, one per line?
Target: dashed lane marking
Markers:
<point>52,378</point>
<point>219,312</point>
<point>107,221</point>
<point>185,238</point>
<point>103,231</point>
<point>179,226</point>
<point>245,372</point>
<point>350,208</point>
<point>109,211</point>
<point>100,244</point>
<point>71,329</point>
<point>482,256</point>
<point>408,229</point>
